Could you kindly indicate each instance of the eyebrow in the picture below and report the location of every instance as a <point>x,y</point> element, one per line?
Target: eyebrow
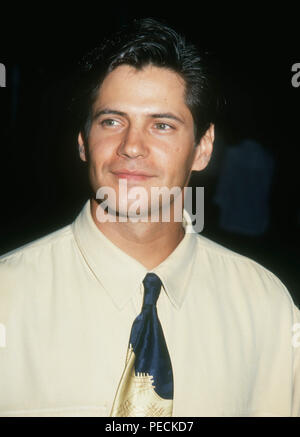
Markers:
<point>168,115</point>
<point>108,111</point>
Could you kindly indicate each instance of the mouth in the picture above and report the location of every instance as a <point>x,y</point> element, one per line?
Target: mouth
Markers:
<point>129,175</point>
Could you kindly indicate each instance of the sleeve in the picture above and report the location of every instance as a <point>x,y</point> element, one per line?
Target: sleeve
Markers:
<point>296,363</point>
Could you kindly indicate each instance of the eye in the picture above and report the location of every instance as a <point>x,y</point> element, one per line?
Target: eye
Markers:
<point>109,122</point>
<point>163,126</point>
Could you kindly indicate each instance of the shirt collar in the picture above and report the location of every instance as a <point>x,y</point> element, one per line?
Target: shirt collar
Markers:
<point>120,274</point>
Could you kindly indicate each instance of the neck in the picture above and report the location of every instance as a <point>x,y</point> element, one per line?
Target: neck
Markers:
<point>149,243</point>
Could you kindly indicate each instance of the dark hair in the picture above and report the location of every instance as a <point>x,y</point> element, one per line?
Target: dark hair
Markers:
<point>148,42</point>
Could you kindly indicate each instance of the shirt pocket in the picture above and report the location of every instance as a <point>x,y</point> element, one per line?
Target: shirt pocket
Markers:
<point>80,411</point>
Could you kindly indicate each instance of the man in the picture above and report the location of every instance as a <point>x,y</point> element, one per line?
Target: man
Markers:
<point>87,308</point>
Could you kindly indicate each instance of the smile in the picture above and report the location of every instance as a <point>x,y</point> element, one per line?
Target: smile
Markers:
<point>132,175</point>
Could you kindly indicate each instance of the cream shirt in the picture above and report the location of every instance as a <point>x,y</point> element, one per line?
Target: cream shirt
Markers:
<point>67,303</point>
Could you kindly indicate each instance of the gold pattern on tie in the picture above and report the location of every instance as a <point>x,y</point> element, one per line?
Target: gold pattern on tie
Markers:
<point>146,386</point>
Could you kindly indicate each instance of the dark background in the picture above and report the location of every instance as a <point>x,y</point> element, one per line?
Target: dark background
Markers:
<point>43,183</point>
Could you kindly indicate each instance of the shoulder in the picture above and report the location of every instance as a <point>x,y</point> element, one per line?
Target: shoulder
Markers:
<point>28,273</point>
<point>31,254</point>
<point>238,272</point>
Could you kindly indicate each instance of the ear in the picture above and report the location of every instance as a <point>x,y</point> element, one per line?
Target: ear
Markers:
<point>81,147</point>
<point>204,149</point>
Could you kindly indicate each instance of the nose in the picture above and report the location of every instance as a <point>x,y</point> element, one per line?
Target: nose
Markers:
<point>133,144</point>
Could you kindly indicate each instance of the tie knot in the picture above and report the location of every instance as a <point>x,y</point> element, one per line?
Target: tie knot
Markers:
<point>152,286</point>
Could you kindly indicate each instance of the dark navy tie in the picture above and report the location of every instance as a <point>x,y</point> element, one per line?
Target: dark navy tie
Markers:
<point>146,386</point>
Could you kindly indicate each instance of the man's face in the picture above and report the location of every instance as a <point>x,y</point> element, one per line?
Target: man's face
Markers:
<point>142,131</point>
